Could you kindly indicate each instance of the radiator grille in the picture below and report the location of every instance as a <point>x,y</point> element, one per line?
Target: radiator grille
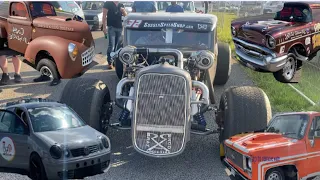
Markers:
<point>81,151</point>
<point>160,113</point>
<point>234,156</point>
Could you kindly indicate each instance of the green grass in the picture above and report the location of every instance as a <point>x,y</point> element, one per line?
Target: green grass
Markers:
<point>282,97</point>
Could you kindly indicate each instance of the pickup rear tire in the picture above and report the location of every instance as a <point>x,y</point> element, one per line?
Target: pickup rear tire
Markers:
<point>90,98</point>
<point>290,73</point>
<point>242,110</point>
<point>48,68</point>
<point>223,64</point>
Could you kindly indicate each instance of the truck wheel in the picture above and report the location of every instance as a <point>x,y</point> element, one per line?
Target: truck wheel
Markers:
<point>242,109</point>
<point>118,63</point>
<point>223,65</point>
<point>275,174</point>
<point>2,41</point>
<point>90,98</point>
<point>287,74</point>
<point>37,170</point>
<point>48,68</point>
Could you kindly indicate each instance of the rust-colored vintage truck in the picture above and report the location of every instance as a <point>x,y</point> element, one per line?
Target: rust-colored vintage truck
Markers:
<point>59,47</point>
<point>279,45</point>
<point>289,148</point>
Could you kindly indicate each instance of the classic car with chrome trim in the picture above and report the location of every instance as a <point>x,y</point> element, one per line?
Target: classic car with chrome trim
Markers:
<point>167,66</point>
<point>289,148</point>
<point>57,46</point>
<point>50,141</point>
<point>280,45</point>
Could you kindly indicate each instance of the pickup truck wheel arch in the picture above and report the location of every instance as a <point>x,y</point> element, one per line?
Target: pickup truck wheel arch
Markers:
<point>243,109</point>
<point>275,174</point>
<point>90,98</point>
<point>223,64</point>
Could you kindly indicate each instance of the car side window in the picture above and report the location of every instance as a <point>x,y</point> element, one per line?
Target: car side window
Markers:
<point>18,9</point>
<point>315,128</point>
<point>10,123</point>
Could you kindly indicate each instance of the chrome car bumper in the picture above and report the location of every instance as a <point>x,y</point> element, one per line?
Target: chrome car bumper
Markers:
<point>258,57</point>
<point>231,171</point>
<point>79,167</point>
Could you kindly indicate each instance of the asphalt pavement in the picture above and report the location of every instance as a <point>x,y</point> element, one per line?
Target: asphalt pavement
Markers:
<point>200,159</point>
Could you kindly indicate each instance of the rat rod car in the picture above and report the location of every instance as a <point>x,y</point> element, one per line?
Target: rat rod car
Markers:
<point>282,44</point>
<point>288,149</point>
<point>50,141</point>
<point>169,65</point>
<point>58,47</point>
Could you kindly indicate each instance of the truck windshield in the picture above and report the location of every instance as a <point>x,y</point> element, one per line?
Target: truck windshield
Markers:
<point>180,39</point>
<point>187,5</point>
<point>293,126</point>
<point>39,9</point>
<point>294,14</point>
<point>92,5</point>
<point>54,118</point>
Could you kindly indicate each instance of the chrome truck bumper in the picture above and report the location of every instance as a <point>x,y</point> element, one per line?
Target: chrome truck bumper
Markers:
<point>258,57</point>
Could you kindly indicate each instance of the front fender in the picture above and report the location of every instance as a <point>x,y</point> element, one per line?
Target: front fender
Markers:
<point>58,49</point>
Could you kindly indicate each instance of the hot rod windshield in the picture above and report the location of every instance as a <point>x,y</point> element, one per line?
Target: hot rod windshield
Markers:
<point>294,14</point>
<point>39,9</point>
<point>175,38</point>
<point>293,126</point>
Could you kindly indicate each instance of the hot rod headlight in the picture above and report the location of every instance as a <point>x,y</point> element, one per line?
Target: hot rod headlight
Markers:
<point>271,42</point>
<point>233,31</point>
<point>73,51</point>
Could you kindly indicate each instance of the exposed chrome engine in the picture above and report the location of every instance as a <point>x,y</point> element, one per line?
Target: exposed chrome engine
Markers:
<point>164,97</point>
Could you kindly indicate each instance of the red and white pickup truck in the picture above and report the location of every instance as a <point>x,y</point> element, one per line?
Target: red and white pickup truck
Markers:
<point>288,149</point>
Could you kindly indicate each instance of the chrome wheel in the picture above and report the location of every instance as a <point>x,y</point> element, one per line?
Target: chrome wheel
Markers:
<point>289,68</point>
<point>46,71</point>
<point>274,176</point>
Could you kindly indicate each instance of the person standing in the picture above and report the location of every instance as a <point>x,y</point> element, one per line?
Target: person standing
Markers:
<point>112,25</point>
<point>144,6</point>
<point>4,66</point>
<point>174,7</point>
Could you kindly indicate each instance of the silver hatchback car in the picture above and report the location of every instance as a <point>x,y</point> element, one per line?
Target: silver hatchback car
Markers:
<point>50,141</point>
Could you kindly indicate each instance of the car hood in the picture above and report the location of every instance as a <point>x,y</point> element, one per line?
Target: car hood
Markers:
<point>258,141</point>
<point>66,28</point>
<point>74,137</point>
<point>255,31</point>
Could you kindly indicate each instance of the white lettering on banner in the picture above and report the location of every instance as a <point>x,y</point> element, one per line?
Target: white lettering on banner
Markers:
<point>169,25</point>
<point>17,34</point>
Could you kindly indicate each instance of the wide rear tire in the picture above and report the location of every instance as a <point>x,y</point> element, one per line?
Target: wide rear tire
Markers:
<point>242,110</point>
<point>223,64</point>
<point>90,98</point>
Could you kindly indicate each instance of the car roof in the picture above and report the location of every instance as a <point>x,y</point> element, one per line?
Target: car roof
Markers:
<point>306,3</point>
<point>304,112</point>
<point>33,103</point>
<point>182,17</point>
